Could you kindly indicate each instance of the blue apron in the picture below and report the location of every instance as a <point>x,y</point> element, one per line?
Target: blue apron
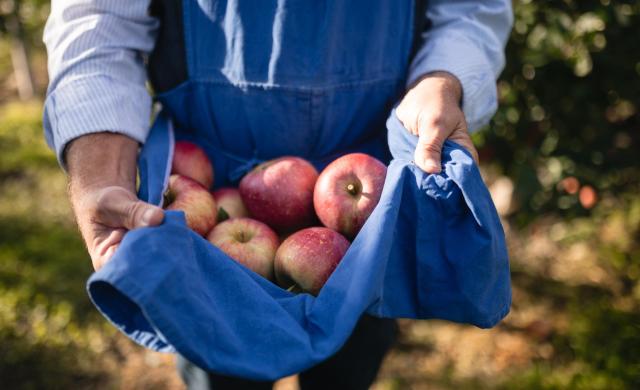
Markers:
<point>316,80</point>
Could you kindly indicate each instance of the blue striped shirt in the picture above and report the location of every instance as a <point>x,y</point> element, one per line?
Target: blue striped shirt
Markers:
<point>97,51</point>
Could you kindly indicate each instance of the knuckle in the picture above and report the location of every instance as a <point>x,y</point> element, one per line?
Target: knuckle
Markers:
<point>436,121</point>
<point>402,115</point>
<point>407,124</point>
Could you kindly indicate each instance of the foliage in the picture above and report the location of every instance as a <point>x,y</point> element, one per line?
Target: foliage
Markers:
<point>32,14</point>
<point>569,103</point>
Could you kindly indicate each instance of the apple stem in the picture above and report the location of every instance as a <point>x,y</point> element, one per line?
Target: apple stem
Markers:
<point>351,188</point>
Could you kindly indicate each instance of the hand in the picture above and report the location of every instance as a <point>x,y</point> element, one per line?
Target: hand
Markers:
<point>102,173</point>
<point>431,110</point>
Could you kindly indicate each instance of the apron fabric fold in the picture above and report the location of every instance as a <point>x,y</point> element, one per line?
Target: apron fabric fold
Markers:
<point>432,248</point>
<point>323,85</point>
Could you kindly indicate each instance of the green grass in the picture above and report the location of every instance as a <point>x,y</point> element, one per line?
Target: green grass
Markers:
<point>51,336</point>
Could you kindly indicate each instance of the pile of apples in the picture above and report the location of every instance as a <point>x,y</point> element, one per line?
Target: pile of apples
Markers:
<point>271,222</point>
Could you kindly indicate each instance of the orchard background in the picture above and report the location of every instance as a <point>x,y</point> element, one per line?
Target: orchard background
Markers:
<point>563,163</point>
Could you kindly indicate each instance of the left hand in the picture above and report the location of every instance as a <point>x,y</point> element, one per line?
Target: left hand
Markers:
<point>431,110</point>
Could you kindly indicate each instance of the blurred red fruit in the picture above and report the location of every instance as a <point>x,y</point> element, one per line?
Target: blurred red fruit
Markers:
<point>570,185</point>
<point>588,197</point>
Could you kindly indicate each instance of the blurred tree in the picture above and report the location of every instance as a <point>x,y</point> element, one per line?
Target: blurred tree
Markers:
<point>21,22</point>
<point>10,22</point>
<point>567,128</point>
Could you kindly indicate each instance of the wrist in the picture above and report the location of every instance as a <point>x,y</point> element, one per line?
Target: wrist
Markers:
<point>444,83</point>
<point>101,159</point>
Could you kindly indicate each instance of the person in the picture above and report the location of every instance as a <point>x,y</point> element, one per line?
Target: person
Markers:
<point>320,75</point>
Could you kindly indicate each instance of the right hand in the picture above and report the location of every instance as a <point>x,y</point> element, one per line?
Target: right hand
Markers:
<point>102,172</point>
<point>431,110</point>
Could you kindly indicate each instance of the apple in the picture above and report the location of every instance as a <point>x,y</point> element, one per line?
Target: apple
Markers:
<point>347,191</point>
<point>280,193</point>
<point>249,242</point>
<point>191,161</point>
<point>197,203</point>
<point>229,204</point>
<point>308,257</point>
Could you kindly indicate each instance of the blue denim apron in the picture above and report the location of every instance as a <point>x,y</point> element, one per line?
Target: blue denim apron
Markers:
<point>315,79</point>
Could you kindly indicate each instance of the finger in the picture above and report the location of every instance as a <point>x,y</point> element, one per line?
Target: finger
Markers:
<point>99,261</point>
<point>462,137</point>
<point>118,207</point>
<point>105,247</point>
<point>429,148</point>
<point>103,244</point>
<point>409,122</point>
<point>465,142</point>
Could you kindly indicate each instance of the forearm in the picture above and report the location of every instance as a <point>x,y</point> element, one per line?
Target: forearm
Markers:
<point>449,86</point>
<point>100,160</point>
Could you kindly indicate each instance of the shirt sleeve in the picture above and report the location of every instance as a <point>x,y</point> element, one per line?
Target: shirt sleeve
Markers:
<point>467,39</point>
<point>97,76</point>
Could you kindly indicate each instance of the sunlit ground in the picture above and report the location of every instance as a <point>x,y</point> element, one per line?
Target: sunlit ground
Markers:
<point>574,322</point>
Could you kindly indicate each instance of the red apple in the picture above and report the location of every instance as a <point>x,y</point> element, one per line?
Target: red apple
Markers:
<point>347,191</point>
<point>197,203</point>
<point>229,204</point>
<point>191,161</point>
<point>249,242</point>
<point>307,258</point>
<point>280,193</point>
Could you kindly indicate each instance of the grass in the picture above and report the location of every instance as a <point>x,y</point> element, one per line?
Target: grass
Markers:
<point>48,328</point>
<point>50,333</point>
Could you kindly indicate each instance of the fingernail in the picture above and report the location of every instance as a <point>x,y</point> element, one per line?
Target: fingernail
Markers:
<point>147,216</point>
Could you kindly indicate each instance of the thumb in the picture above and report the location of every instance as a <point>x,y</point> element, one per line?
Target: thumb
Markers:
<point>119,208</point>
<point>429,148</point>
